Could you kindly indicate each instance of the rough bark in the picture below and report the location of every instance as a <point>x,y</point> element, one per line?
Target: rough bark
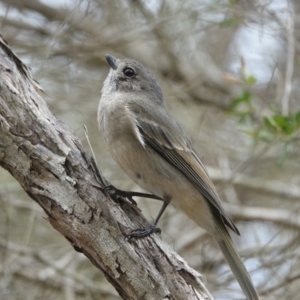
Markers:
<point>47,159</point>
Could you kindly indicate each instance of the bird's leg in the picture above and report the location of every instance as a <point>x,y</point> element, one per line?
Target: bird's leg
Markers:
<point>114,193</point>
<point>144,232</point>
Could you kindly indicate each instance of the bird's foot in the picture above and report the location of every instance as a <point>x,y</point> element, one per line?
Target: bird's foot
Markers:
<point>115,193</point>
<point>143,232</point>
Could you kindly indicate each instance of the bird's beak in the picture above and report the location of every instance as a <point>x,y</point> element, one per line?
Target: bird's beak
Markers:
<point>112,61</point>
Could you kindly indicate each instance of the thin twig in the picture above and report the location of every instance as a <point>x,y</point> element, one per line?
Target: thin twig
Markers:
<point>289,62</point>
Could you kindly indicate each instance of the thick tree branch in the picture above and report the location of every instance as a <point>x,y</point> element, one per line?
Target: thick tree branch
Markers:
<point>48,161</point>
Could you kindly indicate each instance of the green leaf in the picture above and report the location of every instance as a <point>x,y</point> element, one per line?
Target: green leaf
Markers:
<point>280,121</point>
<point>250,80</point>
<point>285,124</point>
<point>229,23</point>
<point>244,98</point>
<point>269,124</point>
<point>297,117</point>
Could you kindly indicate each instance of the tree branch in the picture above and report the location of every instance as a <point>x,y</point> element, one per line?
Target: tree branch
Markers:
<point>48,161</point>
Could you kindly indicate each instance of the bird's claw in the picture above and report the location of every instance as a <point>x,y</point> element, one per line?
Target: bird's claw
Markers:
<point>115,193</point>
<point>143,232</point>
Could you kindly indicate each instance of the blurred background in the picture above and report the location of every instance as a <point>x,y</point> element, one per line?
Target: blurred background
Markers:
<point>230,74</point>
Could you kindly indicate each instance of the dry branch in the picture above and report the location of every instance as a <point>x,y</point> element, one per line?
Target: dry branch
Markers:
<point>48,161</point>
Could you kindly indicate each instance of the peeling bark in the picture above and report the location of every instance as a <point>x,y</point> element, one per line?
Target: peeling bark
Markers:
<point>47,159</point>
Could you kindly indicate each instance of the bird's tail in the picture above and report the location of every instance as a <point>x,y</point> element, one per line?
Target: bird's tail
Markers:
<point>235,263</point>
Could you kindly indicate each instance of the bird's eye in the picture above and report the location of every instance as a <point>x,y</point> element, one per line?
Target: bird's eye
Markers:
<point>128,72</point>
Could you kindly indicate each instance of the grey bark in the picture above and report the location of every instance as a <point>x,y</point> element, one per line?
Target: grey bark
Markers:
<point>47,159</point>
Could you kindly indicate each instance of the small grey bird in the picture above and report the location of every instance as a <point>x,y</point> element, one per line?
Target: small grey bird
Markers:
<point>156,153</point>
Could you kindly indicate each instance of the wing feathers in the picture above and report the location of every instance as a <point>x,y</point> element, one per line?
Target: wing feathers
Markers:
<point>176,148</point>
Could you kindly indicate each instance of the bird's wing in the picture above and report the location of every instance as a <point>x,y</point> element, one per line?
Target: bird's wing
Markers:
<point>173,144</point>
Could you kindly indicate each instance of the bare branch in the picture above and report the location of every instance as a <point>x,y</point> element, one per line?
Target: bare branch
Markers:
<point>290,57</point>
<point>273,187</point>
<point>51,166</point>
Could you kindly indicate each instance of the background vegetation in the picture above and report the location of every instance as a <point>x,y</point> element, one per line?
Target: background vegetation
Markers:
<point>230,74</point>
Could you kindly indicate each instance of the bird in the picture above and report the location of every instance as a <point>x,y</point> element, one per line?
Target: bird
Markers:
<point>156,153</point>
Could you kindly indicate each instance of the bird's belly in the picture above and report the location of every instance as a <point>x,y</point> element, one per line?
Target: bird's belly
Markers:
<point>141,164</point>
